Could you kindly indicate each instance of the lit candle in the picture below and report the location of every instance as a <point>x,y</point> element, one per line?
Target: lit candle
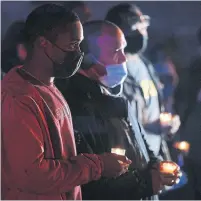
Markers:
<point>182,146</point>
<point>118,151</point>
<point>168,167</point>
<point>166,119</point>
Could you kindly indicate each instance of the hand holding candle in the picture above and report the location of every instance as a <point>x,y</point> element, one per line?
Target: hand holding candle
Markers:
<point>111,167</point>
<point>170,172</point>
<point>168,167</point>
<point>120,152</point>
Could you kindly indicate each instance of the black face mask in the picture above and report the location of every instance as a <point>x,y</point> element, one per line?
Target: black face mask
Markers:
<point>136,43</point>
<point>69,66</point>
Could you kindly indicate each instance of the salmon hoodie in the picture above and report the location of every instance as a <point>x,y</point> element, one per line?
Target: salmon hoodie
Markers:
<point>38,152</point>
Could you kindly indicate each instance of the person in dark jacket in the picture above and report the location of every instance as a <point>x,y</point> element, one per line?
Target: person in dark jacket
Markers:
<point>100,118</point>
<point>142,87</point>
<point>190,131</point>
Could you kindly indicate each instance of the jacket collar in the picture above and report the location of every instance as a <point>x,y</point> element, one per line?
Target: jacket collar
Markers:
<point>90,88</point>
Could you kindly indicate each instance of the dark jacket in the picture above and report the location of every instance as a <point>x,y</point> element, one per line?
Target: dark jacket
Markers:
<point>142,89</point>
<point>191,132</point>
<point>100,123</point>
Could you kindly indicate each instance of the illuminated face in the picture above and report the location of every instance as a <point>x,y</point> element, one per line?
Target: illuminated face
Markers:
<point>111,48</point>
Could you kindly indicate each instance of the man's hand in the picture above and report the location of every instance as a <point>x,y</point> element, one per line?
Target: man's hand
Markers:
<point>175,124</point>
<point>159,179</point>
<point>114,165</point>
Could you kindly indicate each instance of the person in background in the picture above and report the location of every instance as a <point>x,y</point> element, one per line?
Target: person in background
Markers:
<point>79,7</point>
<point>13,50</point>
<point>100,117</point>
<point>184,89</point>
<point>142,87</point>
<point>39,159</point>
<point>190,131</point>
<point>166,71</point>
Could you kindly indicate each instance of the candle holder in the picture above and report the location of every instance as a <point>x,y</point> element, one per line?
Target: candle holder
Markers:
<point>168,167</point>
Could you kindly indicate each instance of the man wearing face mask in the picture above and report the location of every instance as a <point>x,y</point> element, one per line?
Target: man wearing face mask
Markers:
<point>100,117</point>
<point>39,159</point>
<point>142,87</point>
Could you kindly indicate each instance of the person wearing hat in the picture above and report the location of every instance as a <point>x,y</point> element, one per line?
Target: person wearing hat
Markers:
<point>39,159</point>
<point>142,87</point>
<point>100,117</point>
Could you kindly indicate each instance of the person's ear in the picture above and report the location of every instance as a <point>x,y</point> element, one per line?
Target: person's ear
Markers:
<point>43,42</point>
<point>21,51</point>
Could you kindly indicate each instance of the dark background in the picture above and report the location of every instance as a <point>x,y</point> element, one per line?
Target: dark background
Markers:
<point>180,19</point>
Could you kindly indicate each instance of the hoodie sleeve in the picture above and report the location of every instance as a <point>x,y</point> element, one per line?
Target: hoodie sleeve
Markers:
<point>23,153</point>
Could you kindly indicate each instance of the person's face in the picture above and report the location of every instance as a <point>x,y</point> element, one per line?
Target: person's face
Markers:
<point>64,53</point>
<point>66,42</point>
<point>111,48</point>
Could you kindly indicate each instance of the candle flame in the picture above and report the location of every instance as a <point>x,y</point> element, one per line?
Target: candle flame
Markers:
<point>168,167</point>
<point>183,146</point>
<point>165,118</point>
<point>118,151</point>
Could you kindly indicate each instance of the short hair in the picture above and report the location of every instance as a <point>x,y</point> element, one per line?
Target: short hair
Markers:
<point>92,30</point>
<point>47,20</point>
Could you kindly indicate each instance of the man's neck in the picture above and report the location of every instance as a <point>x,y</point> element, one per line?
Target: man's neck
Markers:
<point>39,71</point>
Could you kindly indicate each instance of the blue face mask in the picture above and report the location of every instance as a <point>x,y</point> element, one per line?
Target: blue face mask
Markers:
<point>116,74</point>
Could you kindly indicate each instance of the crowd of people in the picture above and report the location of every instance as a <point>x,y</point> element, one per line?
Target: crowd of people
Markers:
<point>76,92</point>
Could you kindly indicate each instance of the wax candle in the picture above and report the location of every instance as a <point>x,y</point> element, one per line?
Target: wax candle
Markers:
<point>166,119</point>
<point>118,151</point>
<point>168,167</point>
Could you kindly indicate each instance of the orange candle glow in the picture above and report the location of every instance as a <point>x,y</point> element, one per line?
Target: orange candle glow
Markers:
<point>118,151</point>
<point>166,119</point>
<point>182,146</point>
<point>168,167</point>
